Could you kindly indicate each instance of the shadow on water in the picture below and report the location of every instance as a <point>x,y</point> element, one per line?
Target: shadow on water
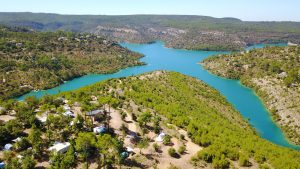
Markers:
<point>186,62</point>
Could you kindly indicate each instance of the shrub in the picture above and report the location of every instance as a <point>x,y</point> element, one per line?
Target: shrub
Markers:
<point>172,152</point>
<point>181,149</point>
<point>244,161</point>
<point>221,163</point>
<point>156,147</point>
<point>167,140</point>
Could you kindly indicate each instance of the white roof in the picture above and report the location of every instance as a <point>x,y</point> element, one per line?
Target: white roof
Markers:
<point>67,107</point>
<point>42,119</point>
<point>68,113</point>
<point>129,149</point>
<point>160,137</point>
<point>8,146</point>
<point>17,139</point>
<point>60,147</point>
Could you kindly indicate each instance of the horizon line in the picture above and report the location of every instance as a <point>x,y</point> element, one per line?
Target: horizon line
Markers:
<point>150,14</point>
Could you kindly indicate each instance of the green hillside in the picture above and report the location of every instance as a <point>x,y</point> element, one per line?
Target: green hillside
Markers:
<point>274,73</point>
<point>178,31</point>
<point>31,60</point>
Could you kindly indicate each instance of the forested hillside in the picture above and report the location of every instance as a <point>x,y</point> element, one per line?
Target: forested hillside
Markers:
<point>31,60</point>
<point>209,119</point>
<point>133,111</point>
<point>274,73</point>
<point>189,32</point>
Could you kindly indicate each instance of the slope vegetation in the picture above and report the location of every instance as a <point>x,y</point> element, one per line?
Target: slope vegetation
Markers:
<point>32,60</point>
<point>209,119</point>
<point>274,73</point>
<point>189,32</point>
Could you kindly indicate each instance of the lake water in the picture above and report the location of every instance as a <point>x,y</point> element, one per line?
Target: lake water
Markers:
<point>186,62</point>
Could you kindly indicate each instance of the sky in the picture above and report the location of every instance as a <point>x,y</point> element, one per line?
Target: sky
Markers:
<point>248,10</point>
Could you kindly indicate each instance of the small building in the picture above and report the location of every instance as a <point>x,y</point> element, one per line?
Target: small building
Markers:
<point>2,165</point>
<point>282,75</point>
<point>160,137</point>
<point>98,130</point>
<point>19,45</point>
<point>42,118</point>
<point>8,147</point>
<point>17,139</point>
<point>60,147</point>
<point>129,149</point>
<point>67,107</point>
<point>69,114</point>
<point>94,113</point>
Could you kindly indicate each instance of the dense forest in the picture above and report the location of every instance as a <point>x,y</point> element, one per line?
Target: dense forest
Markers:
<point>210,121</point>
<point>189,32</point>
<point>274,73</point>
<point>31,60</point>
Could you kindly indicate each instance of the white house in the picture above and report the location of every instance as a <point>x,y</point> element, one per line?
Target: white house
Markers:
<point>8,146</point>
<point>160,137</point>
<point>67,107</point>
<point>69,113</point>
<point>42,118</point>
<point>60,147</point>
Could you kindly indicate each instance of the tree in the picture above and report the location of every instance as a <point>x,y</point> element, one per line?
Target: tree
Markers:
<point>28,162</point>
<point>167,140</point>
<point>144,118</point>
<point>14,127</point>
<point>181,149</point>
<point>221,163</point>
<point>156,147</point>
<point>35,139</point>
<point>143,144</point>
<point>85,144</point>
<point>68,160</point>
<point>107,147</point>
<point>111,102</point>
<point>11,161</point>
<point>156,126</point>
<point>32,102</point>
<point>172,152</point>
<point>244,161</point>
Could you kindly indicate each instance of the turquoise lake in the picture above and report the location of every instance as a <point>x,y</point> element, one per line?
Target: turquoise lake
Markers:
<point>157,57</point>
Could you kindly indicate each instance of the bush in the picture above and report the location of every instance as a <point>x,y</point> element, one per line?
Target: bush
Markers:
<point>167,140</point>
<point>181,149</point>
<point>244,161</point>
<point>259,157</point>
<point>172,152</point>
<point>264,166</point>
<point>156,147</point>
<point>221,163</point>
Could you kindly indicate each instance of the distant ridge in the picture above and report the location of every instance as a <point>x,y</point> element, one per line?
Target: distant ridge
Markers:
<point>178,31</point>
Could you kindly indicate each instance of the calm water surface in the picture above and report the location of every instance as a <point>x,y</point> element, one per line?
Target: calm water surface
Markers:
<point>186,62</point>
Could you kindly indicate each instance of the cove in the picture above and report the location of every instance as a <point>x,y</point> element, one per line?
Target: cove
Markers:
<point>157,57</point>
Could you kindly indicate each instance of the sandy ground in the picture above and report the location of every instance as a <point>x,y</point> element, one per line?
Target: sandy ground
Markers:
<point>43,164</point>
<point>184,161</point>
<point>116,120</point>
<point>163,159</point>
<point>6,118</point>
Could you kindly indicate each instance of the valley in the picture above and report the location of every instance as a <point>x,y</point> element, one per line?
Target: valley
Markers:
<point>182,32</point>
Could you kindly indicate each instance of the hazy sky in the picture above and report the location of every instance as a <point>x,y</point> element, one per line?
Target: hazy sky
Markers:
<point>266,10</point>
